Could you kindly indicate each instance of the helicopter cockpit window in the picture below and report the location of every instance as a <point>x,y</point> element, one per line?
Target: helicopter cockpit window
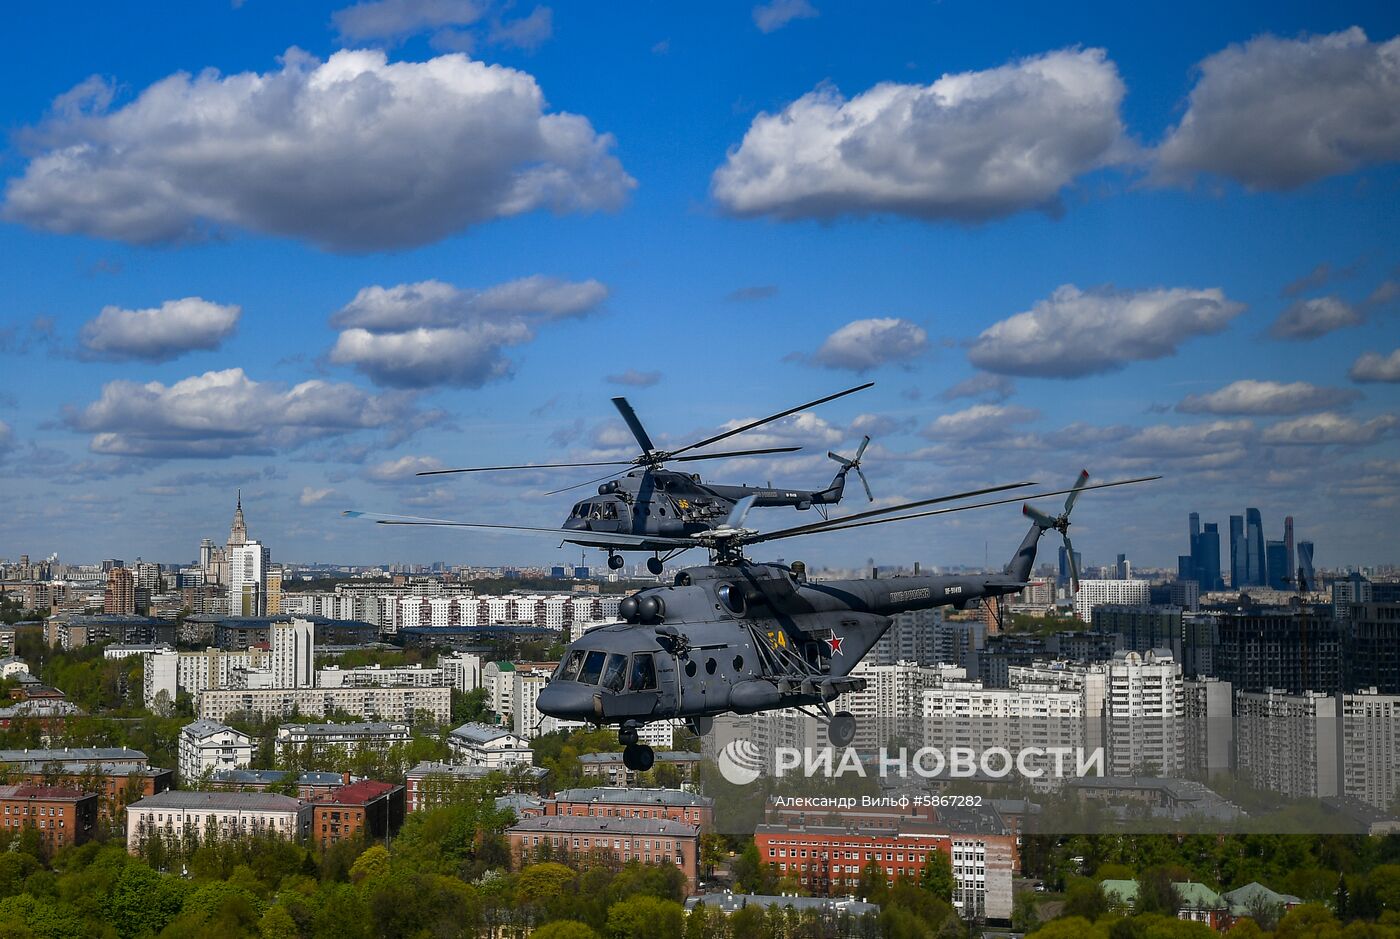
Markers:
<point>610,510</point>
<point>569,670</point>
<point>643,672</point>
<point>581,510</point>
<point>615,673</point>
<point>592,667</point>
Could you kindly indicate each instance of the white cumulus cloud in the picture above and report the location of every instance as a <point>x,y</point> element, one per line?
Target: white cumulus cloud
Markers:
<point>354,153</point>
<point>1279,113</point>
<point>1266,397</point>
<point>226,413</point>
<point>978,422</point>
<point>1373,366</point>
<point>776,14</point>
<point>1314,317</point>
<point>311,496</point>
<point>402,468</point>
<point>433,333</point>
<point>1330,428</point>
<point>1077,332</point>
<point>395,19</point>
<point>160,333</point>
<point>969,147</point>
<point>862,345</point>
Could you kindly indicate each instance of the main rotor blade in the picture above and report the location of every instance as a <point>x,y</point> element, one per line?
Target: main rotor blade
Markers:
<point>864,482</point>
<point>634,424</point>
<point>770,418</point>
<point>831,522</point>
<point>840,524</point>
<point>586,482</point>
<point>729,453</point>
<point>587,538</point>
<point>1074,493</point>
<point>523,466</point>
<point>1073,564</point>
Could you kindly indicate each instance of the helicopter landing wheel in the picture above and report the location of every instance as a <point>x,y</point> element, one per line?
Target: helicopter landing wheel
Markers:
<point>638,757</point>
<point>655,566</point>
<point>615,561</point>
<point>842,729</point>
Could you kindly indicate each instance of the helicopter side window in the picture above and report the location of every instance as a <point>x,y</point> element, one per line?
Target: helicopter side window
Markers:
<point>592,667</point>
<point>569,671</point>
<point>643,672</point>
<point>616,672</point>
<point>610,510</point>
<point>581,510</point>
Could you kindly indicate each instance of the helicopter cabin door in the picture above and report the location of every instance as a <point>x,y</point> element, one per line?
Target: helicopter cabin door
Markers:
<point>637,686</point>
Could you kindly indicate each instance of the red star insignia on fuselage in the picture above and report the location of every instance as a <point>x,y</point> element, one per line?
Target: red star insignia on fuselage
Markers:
<point>835,643</point>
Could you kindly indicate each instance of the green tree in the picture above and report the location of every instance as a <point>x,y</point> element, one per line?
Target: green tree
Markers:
<point>643,917</point>
<point>565,929</point>
<point>937,876</point>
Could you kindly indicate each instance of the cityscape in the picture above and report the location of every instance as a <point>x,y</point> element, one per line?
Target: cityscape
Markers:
<point>409,527</point>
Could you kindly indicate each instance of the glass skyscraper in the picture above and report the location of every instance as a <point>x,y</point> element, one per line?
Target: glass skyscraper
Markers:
<point>1238,567</point>
<point>1256,564</point>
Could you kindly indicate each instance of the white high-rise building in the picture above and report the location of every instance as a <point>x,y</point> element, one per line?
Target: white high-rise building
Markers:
<point>1371,747</point>
<point>1094,593</point>
<point>1287,743</point>
<point>966,714</point>
<point>293,654</point>
<point>1145,715</point>
<point>248,565</point>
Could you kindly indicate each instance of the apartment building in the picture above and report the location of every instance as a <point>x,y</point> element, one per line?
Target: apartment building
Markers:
<point>647,840</point>
<point>208,746</point>
<point>374,703</point>
<point>61,816</point>
<point>175,814</point>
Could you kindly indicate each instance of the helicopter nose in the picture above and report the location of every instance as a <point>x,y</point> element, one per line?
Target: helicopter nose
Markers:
<point>566,699</point>
<point>576,524</point>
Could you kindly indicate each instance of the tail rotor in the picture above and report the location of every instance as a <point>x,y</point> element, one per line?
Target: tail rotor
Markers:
<point>854,464</point>
<point>1060,523</point>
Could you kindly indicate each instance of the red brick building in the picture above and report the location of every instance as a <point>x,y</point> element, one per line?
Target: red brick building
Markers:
<point>617,802</point>
<point>116,786</point>
<point>827,859</point>
<point>614,839</point>
<point>62,817</point>
<point>366,810</point>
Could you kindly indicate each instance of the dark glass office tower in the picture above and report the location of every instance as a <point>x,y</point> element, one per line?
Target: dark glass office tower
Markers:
<point>1256,565</point>
<point>1276,555</point>
<point>1238,569</point>
<point>1305,564</point>
<point>1288,545</point>
<point>1207,559</point>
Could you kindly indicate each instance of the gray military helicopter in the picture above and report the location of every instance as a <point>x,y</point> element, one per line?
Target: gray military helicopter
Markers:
<point>652,508</point>
<point>739,636</point>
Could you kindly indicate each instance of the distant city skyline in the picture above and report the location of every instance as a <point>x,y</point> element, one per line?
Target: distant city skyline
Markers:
<point>1055,241</point>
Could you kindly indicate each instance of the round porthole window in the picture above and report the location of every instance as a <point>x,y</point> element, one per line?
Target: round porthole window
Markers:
<point>738,663</point>
<point>710,666</point>
<point>690,669</point>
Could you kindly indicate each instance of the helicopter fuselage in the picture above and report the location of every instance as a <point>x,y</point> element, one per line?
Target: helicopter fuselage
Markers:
<point>741,638</point>
<point>671,504</point>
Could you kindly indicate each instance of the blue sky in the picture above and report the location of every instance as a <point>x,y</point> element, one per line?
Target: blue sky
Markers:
<point>1106,223</point>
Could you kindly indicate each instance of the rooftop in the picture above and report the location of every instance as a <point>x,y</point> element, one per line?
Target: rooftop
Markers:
<point>620,795</point>
<point>363,729</point>
<point>601,823</point>
<point>233,801</point>
<point>106,754</point>
<point>481,733</point>
<point>206,728</point>
<point>360,793</point>
<point>45,793</point>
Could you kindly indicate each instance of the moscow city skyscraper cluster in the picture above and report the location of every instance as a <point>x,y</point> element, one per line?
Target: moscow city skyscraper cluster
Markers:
<point>1253,561</point>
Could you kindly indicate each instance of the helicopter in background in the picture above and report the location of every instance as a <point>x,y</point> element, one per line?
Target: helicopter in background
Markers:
<point>649,507</point>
